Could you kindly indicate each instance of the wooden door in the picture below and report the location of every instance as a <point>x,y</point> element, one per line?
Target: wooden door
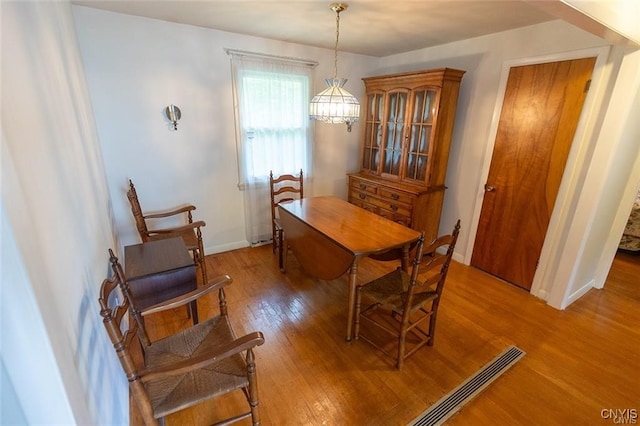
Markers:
<point>540,112</point>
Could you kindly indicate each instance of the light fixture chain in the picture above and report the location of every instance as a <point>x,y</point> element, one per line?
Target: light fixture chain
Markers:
<point>335,51</point>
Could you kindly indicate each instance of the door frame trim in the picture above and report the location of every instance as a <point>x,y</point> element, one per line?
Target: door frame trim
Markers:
<point>584,136</point>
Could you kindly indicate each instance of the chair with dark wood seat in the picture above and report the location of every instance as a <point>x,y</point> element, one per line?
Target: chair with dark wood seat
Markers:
<point>189,232</point>
<point>186,368</point>
<point>285,187</point>
<point>399,303</point>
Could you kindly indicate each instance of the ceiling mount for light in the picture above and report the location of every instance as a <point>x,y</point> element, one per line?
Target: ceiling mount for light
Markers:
<point>335,104</point>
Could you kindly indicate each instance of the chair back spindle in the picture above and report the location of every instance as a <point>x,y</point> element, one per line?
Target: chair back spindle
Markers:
<point>136,210</point>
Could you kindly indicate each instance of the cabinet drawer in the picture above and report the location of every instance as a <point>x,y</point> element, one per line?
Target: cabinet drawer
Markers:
<point>361,196</point>
<point>392,206</point>
<point>405,220</point>
<point>392,194</point>
<point>358,202</point>
<point>361,185</point>
<point>363,200</point>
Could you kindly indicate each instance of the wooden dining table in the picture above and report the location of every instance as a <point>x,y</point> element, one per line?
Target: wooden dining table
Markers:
<point>329,236</point>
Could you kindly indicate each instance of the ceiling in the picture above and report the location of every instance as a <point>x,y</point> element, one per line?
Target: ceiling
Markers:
<point>368,27</point>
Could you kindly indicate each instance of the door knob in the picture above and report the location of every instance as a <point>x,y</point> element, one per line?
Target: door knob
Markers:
<point>489,188</point>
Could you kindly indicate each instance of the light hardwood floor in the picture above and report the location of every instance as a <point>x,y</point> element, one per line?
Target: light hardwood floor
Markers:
<point>578,361</point>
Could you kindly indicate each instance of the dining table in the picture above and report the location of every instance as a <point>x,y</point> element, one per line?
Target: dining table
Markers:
<point>328,236</point>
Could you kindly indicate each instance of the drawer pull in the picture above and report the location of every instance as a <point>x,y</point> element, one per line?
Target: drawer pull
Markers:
<point>395,196</point>
<point>362,196</point>
<point>393,207</point>
<point>363,186</point>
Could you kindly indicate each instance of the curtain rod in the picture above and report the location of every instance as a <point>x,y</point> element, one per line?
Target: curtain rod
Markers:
<point>307,62</point>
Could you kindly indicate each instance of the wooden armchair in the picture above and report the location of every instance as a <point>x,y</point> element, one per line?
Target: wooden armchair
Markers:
<point>186,368</point>
<point>190,232</point>
<point>282,188</point>
<point>411,300</point>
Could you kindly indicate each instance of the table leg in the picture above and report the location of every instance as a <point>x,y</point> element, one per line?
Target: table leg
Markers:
<point>353,272</point>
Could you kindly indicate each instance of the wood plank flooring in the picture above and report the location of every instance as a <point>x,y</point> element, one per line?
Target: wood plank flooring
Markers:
<point>579,361</point>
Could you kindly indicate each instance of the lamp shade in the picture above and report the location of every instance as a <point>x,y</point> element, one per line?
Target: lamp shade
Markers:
<point>335,104</point>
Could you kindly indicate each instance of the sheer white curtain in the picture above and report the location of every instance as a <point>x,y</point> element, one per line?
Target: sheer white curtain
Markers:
<point>271,97</point>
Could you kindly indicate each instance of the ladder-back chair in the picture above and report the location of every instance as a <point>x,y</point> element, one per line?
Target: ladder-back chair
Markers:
<point>285,187</point>
<point>186,368</point>
<point>411,299</point>
<point>189,232</point>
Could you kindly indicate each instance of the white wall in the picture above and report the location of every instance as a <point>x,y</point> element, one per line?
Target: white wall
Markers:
<point>56,226</point>
<point>137,66</point>
<point>31,372</point>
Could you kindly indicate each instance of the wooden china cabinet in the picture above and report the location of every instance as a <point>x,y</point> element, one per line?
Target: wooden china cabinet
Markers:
<point>407,126</point>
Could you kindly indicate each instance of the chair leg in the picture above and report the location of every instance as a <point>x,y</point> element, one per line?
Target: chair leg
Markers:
<point>274,239</point>
<point>432,328</point>
<point>279,243</point>
<point>144,405</point>
<point>203,272</point>
<point>401,346</point>
<point>198,261</point>
<point>252,395</point>
<point>282,252</point>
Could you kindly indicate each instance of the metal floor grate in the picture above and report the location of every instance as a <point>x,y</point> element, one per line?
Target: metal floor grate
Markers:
<point>448,405</point>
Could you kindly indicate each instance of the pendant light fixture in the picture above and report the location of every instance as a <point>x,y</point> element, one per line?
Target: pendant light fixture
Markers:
<point>335,104</point>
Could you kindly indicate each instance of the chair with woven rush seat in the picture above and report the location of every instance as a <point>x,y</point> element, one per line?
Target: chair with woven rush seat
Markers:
<point>411,300</point>
<point>189,232</point>
<point>285,187</point>
<point>186,368</point>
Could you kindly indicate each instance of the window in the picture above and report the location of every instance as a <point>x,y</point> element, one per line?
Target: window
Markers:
<point>271,97</point>
<point>274,122</point>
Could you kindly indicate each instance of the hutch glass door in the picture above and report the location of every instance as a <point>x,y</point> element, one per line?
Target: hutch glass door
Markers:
<point>373,133</point>
<point>393,138</point>
<point>424,111</point>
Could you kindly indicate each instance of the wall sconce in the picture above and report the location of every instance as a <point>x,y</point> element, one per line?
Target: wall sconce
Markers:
<point>173,114</point>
